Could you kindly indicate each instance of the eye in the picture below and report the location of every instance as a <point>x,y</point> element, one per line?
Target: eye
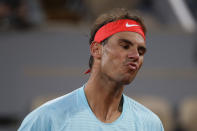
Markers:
<point>125,46</point>
<point>141,51</point>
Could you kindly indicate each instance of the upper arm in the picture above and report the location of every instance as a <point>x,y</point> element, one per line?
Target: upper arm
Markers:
<point>36,122</point>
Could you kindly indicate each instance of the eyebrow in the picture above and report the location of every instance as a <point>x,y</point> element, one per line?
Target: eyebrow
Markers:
<point>126,41</point>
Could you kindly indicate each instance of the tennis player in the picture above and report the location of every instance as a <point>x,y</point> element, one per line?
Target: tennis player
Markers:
<point>117,46</point>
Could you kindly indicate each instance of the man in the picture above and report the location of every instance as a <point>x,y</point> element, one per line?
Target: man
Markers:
<point>117,47</point>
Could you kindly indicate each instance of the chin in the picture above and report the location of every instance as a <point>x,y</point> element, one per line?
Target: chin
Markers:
<point>127,80</point>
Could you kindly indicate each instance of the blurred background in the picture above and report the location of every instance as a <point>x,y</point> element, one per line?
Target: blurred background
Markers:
<point>44,52</point>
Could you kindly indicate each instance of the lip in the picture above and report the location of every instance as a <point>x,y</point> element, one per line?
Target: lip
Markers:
<point>132,66</point>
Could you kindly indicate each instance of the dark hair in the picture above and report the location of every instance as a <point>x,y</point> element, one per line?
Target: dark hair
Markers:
<point>115,14</point>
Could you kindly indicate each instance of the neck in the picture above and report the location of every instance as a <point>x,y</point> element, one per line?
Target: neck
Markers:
<point>104,97</point>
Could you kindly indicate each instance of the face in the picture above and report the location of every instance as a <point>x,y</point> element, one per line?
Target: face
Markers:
<point>122,57</point>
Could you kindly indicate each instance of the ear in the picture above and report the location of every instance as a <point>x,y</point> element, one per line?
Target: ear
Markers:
<point>96,49</point>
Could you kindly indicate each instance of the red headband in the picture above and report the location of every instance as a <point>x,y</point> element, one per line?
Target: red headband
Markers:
<point>118,26</point>
<point>115,27</point>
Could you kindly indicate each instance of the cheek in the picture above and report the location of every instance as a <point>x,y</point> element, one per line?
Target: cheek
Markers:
<point>141,60</point>
<point>112,56</point>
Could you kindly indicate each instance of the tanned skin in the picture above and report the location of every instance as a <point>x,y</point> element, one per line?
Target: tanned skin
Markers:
<point>115,65</point>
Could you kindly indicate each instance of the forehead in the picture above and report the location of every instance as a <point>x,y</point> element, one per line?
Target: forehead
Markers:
<point>133,37</point>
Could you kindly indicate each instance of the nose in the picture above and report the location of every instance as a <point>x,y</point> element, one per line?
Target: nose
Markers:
<point>133,55</point>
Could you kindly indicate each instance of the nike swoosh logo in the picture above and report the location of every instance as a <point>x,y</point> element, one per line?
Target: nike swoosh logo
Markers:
<point>127,25</point>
